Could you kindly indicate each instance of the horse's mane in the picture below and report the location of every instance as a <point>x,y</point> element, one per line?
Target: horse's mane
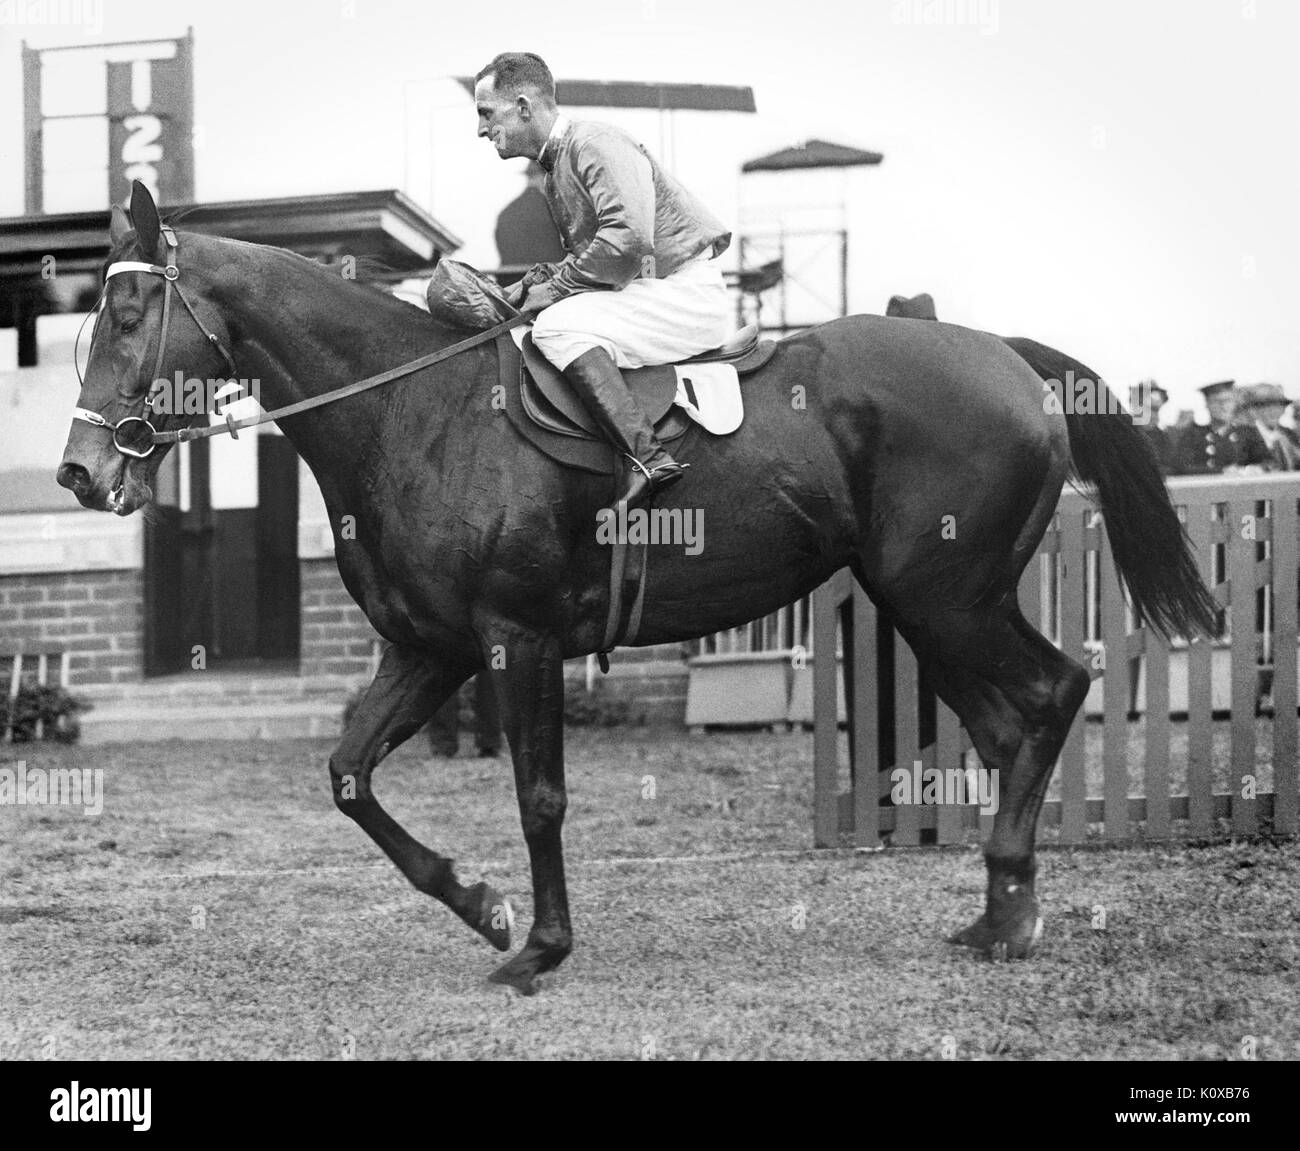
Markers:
<point>362,266</point>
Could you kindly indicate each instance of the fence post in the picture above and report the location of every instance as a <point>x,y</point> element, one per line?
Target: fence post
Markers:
<point>15,681</point>
<point>1240,571</point>
<point>864,732</point>
<point>1200,657</point>
<point>826,805</point>
<point>1071,568</point>
<point>1115,695</point>
<point>1286,764</point>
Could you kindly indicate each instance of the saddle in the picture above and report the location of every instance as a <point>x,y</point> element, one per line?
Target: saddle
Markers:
<point>544,409</point>
<point>547,412</point>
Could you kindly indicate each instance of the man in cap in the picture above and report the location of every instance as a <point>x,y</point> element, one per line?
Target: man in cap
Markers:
<point>639,284</point>
<point>1263,405</point>
<point>1145,401</point>
<point>1221,446</point>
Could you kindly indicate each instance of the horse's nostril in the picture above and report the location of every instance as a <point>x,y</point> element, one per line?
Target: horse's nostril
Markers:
<point>74,477</point>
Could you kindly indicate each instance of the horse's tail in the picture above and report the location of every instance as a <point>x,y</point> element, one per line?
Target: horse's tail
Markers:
<point>1151,549</point>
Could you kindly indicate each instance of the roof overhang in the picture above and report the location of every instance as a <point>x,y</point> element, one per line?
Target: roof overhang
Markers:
<point>384,225</point>
<point>813,154</point>
<point>635,94</point>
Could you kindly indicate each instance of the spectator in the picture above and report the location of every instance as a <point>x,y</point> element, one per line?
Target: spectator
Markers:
<point>444,728</point>
<point>1221,447</point>
<point>1262,406</point>
<point>1145,401</point>
<point>525,232</point>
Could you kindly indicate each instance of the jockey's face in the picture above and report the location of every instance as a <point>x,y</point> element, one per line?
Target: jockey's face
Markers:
<point>508,120</point>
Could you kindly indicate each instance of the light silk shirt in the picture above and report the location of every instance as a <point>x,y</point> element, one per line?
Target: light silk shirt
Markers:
<point>619,214</point>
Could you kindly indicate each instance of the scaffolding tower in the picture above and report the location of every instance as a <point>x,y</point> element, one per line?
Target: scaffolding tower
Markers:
<point>793,259</point>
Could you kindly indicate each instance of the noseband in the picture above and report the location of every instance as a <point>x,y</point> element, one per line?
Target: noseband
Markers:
<point>131,431</point>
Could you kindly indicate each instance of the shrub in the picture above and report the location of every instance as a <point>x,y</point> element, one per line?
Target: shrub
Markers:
<point>55,707</point>
<point>596,709</point>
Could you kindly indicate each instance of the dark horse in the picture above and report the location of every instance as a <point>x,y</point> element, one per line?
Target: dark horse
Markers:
<point>919,454</point>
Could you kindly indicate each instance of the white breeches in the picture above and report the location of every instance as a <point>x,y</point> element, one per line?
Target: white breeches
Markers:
<point>647,322</point>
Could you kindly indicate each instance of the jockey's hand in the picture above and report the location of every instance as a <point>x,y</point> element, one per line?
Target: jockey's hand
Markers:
<point>515,293</point>
<point>539,274</point>
<point>539,297</point>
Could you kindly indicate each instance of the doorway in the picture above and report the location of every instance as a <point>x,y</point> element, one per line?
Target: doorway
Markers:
<point>221,559</point>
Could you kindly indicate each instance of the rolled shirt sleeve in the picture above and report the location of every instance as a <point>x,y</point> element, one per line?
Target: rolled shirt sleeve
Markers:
<point>620,181</point>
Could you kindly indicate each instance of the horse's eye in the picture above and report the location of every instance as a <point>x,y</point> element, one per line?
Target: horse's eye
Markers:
<point>130,325</point>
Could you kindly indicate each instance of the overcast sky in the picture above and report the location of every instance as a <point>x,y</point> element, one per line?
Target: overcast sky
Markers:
<point>1118,177</point>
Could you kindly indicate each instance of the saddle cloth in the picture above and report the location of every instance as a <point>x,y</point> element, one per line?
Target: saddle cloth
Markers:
<point>704,389</point>
<point>710,395</point>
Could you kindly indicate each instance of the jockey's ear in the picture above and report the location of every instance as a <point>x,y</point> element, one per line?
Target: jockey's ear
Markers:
<point>118,224</point>
<point>144,214</point>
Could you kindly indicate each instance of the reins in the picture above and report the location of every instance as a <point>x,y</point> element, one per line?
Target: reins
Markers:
<point>184,435</point>
<point>171,273</point>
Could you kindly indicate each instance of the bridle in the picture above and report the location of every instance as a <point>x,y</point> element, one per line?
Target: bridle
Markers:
<point>124,442</point>
<point>148,434</point>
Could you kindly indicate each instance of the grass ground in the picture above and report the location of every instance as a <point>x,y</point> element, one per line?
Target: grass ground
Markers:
<point>220,907</point>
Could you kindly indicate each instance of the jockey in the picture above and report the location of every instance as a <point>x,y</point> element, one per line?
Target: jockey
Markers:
<point>638,285</point>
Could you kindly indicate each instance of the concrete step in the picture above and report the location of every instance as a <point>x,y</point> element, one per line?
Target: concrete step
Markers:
<point>130,722</point>
<point>215,705</point>
<point>201,687</point>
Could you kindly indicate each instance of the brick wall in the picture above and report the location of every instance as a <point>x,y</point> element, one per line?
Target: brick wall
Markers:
<point>97,616</point>
<point>337,639</point>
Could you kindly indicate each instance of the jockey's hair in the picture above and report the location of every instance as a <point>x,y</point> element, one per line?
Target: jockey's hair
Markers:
<point>515,71</point>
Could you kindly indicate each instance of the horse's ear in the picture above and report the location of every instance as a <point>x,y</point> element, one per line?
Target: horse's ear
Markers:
<point>144,214</point>
<point>118,224</point>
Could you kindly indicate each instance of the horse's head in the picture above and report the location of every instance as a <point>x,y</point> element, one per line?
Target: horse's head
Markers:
<point>143,337</point>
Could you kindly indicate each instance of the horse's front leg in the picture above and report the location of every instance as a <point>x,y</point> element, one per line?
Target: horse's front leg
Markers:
<point>409,687</point>
<point>527,668</point>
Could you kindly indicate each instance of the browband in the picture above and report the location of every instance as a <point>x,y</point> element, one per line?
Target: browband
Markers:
<point>138,266</point>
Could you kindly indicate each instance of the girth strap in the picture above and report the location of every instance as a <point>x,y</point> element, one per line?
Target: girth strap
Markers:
<point>625,582</point>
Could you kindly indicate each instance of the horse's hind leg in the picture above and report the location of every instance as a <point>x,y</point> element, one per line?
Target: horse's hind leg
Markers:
<point>408,689</point>
<point>1017,696</point>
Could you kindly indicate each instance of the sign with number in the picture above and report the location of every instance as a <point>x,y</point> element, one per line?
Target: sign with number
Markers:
<point>150,136</point>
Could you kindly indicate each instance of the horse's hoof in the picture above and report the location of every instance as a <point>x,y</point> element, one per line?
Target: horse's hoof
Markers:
<point>538,957</point>
<point>495,916</point>
<point>525,982</point>
<point>1015,940</point>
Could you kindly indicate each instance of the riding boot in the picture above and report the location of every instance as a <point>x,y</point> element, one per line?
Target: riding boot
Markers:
<point>600,386</point>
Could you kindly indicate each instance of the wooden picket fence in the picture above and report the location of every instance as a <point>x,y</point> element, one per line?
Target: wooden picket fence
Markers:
<point>1246,533</point>
<point>36,665</point>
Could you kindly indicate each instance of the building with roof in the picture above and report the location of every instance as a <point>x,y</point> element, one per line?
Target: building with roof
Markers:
<point>234,568</point>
